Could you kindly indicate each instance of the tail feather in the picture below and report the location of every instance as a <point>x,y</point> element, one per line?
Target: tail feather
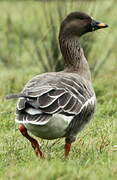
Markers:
<point>14,96</point>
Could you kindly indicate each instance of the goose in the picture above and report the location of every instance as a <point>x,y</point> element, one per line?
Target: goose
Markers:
<point>59,104</point>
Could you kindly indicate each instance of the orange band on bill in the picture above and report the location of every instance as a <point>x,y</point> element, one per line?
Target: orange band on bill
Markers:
<point>102,25</point>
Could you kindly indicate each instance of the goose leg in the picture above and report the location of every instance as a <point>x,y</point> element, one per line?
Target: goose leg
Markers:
<point>67,148</point>
<point>33,141</point>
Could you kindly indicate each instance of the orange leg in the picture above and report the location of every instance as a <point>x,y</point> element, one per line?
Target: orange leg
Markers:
<point>33,141</point>
<point>67,149</point>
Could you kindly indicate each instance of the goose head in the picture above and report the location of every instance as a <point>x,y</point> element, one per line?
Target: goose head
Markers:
<point>79,23</point>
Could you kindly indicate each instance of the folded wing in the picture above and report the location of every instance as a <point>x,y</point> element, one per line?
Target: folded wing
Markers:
<point>63,95</point>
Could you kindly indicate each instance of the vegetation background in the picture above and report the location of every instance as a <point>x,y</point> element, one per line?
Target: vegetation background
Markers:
<point>29,46</point>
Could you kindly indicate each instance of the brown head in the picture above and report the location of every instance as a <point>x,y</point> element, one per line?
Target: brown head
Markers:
<point>79,23</point>
<point>73,26</point>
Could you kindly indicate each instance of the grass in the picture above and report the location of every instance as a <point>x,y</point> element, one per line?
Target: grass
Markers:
<point>94,154</point>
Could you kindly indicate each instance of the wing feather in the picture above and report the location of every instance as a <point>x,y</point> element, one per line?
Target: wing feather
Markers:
<point>47,99</point>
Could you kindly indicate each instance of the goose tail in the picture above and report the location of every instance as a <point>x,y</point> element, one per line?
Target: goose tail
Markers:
<point>14,96</point>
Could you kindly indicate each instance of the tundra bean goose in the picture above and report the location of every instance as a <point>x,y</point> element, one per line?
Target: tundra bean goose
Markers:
<point>59,104</point>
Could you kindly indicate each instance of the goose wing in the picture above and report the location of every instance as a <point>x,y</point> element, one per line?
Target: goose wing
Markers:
<point>53,93</point>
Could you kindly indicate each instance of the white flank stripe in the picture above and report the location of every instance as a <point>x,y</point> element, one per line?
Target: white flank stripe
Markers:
<point>89,101</point>
<point>31,122</point>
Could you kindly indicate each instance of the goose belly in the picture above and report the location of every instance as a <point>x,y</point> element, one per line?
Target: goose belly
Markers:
<point>53,129</point>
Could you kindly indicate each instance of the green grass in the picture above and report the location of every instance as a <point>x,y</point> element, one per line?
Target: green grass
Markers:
<point>94,154</point>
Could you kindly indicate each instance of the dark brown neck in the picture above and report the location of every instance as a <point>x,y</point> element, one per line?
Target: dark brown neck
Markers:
<point>74,58</point>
